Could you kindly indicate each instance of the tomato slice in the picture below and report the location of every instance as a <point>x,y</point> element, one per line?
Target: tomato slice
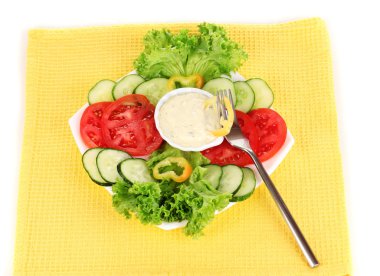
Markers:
<point>90,125</point>
<point>128,125</point>
<point>266,131</point>
<point>245,123</point>
<point>127,109</point>
<point>269,132</point>
<point>225,154</point>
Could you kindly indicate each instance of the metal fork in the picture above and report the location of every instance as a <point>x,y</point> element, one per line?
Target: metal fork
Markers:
<point>237,139</point>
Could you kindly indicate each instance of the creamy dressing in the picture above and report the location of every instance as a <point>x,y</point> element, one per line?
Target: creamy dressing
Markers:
<point>184,120</point>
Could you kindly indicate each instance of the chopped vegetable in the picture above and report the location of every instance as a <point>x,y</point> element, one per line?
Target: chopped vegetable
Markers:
<point>194,158</point>
<point>269,133</point>
<point>247,186</point>
<point>225,154</point>
<point>126,85</point>
<point>245,123</point>
<point>225,123</point>
<point>232,177</point>
<point>135,170</point>
<point>195,80</point>
<point>128,125</point>
<point>210,53</point>
<point>222,83</point>
<point>263,93</point>
<point>245,97</point>
<point>202,200</point>
<point>140,198</point>
<point>89,164</point>
<point>90,125</point>
<point>195,201</point>
<point>153,89</point>
<point>101,92</point>
<point>177,169</point>
<point>165,201</point>
<point>107,161</point>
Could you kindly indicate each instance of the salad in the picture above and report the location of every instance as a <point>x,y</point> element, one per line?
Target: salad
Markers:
<point>150,178</point>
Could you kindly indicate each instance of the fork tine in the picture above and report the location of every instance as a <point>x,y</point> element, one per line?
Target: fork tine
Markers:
<point>224,95</point>
<point>218,103</point>
<point>233,106</point>
<point>220,97</point>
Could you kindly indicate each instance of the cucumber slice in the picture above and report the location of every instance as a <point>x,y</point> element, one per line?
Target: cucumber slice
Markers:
<point>231,179</point>
<point>247,186</point>
<point>263,94</point>
<point>101,92</point>
<point>213,175</point>
<point>126,85</point>
<point>107,161</point>
<point>244,96</point>
<point>135,170</point>
<point>89,164</point>
<point>153,89</point>
<point>217,84</point>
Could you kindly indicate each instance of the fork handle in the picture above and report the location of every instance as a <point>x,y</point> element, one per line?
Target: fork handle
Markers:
<point>296,231</point>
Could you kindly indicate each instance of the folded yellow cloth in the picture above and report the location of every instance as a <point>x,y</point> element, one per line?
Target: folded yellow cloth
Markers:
<point>66,224</point>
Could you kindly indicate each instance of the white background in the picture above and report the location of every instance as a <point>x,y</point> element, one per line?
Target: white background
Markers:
<point>355,36</point>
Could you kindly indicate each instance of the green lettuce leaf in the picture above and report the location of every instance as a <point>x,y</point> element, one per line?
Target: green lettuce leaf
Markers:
<point>194,158</point>
<point>164,54</point>
<point>215,55</point>
<point>195,201</point>
<point>142,199</point>
<point>209,53</point>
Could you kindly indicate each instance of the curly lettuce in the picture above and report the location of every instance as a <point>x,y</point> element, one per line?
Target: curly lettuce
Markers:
<point>210,53</point>
<point>195,201</point>
<point>142,199</point>
<point>198,201</point>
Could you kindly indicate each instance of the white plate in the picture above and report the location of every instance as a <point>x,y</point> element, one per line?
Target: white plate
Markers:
<point>270,165</point>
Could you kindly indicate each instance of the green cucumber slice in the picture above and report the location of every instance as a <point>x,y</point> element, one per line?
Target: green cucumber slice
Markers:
<point>153,89</point>
<point>231,179</point>
<point>135,170</point>
<point>126,85</point>
<point>244,96</point>
<point>217,84</point>
<point>213,175</point>
<point>89,164</point>
<point>247,186</point>
<point>263,94</point>
<point>101,92</point>
<point>107,161</point>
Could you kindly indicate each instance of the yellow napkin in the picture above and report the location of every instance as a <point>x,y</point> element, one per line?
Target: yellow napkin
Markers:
<point>66,224</point>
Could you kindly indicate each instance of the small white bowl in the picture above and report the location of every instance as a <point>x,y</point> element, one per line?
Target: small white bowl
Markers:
<point>217,141</point>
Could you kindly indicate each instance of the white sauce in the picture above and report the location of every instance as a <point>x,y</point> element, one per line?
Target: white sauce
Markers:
<point>184,120</point>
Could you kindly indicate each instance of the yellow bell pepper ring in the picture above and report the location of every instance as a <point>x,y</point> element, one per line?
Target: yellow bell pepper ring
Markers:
<point>225,123</point>
<point>195,80</point>
<point>180,162</point>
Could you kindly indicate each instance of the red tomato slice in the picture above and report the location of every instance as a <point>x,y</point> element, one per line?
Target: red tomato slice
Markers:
<point>90,125</point>
<point>269,133</point>
<point>127,109</point>
<point>245,123</point>
<point>225,154</point>
<point>128,125</point>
